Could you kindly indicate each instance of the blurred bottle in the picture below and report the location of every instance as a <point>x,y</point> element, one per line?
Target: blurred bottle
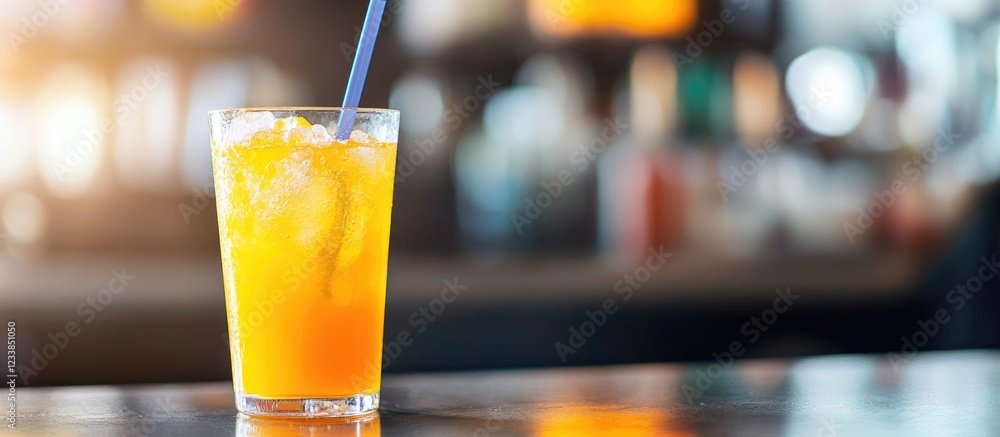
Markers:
<point>526,183</point>
<point>752,208</point>
<point>642,181</point>
<point>569,140</point>
<point>488,183</point>
<point>705,114</point>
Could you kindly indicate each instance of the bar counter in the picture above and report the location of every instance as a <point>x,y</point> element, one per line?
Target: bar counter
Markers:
<point>902,394</point>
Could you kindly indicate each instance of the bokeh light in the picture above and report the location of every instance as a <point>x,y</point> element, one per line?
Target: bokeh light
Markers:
<point>421,98</point>
<point>575,420</point>
<point>756,97</point>
<point>635,18</point>
<point>71,107</point>
<point>653,94</point>
<point>524,117</point>
<point>827,88</point>
<point>485,166</point>
<point>146,144</point>
<point>568,79</point>
<point>417,35</point>
<point>194,15</point>
<point>926,45</point>
<point>218,84</point>
<point>24,218</point>
<point>15,137</point>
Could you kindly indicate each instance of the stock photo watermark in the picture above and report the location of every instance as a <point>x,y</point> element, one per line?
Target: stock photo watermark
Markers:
<point>87,311</point>
<point>225,8</point>
<point>265,306</point>
<point>566,9</point>
<point>454,117</point>
<point>149,408</point>
<point>901,13</point>
<point>123,107</point>
<point>200,200</point>
<point>392,8</point>
<point>713,29</point>
<point>626,288</point>
<point>828,428</point>
<point>785,127</point>
<point>11,375</point>
<point>959,296</point>
<point>31,25</point>
<point>491,426</point>
<point>420,319</point>
<point>752,331</point>
<point>883,200</point>
<point>579,161</point>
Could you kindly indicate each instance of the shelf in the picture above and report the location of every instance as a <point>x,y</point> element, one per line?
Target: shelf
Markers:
<point>60,284</point>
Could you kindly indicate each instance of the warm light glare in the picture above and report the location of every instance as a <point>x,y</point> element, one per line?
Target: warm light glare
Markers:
<point>71,106</point>
<point>14,143</point>
<point>13,11</point>
<point>24,218</point>
<point>580,420</point>
<point>228,83</point>
<point>196,15</point>
<point>653,94</point>
<point>147,140</point>
<point>216,85</point>
<point>636,18</point>
<point>756,98</point>
<point>81,20</point>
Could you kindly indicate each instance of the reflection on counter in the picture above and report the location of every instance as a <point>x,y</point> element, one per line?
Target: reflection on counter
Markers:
<point>923,394</point>
<point>368,426</point>
<point>577,420</point>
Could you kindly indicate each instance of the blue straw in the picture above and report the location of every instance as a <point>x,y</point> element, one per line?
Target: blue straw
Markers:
<point>362,59</point>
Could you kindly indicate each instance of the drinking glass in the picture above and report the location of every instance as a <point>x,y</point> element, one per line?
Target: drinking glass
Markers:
<point>304,235</point>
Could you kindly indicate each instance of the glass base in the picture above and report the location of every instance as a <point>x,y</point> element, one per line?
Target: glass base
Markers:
<point>317,407</point>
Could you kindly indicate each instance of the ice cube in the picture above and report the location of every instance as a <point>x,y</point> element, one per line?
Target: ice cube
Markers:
<point>362,158</point>
<point>298,135</point>
<point>314,226</point>
<point>353,213</point>
<point>244,125</point>
<point>289,123</point>
<point>321,135</point>
<point>298,131</point>
<point>359,136</point>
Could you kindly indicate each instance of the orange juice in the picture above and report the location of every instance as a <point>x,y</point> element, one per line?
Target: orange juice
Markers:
<point>304,231</point>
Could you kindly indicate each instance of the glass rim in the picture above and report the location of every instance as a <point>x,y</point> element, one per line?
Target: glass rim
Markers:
<point>302,109</point>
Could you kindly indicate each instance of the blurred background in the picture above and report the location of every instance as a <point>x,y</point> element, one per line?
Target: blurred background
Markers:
<point>843,151</point>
